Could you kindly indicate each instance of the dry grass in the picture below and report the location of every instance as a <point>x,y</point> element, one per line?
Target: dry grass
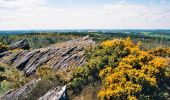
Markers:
<point>88,93</point>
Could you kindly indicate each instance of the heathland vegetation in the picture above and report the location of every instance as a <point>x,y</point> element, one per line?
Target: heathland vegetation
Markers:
<point>119,67</point>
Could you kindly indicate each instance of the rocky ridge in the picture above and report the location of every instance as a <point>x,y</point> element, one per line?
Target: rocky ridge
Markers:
<point>58,56</point>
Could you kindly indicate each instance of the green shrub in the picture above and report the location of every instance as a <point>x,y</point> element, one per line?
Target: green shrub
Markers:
<point>126,72</point>
<point>4,86</point>
<point>98,58</point>
<point>48,81</point>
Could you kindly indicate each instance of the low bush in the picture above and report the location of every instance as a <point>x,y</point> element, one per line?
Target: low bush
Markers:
<point>163,52</point>
<point>11,78</point>
<point>48,81</point>
<point>126,72</point>
<point>15,77</point>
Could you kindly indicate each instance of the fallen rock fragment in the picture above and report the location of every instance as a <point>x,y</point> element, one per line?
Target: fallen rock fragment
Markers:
<point>58,93</point>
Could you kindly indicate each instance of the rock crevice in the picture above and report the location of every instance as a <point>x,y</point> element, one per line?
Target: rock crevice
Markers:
<point>58,56</point>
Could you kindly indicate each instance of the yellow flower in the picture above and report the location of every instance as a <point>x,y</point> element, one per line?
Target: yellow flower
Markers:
<point>132,73</point>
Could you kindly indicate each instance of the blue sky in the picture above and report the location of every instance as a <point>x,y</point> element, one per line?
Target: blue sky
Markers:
<point>84,14</point>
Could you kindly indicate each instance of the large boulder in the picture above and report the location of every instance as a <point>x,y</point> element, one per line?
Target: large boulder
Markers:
<point>23,44</point>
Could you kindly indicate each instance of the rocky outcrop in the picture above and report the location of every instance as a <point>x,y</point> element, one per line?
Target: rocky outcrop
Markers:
<point>23,44</point>
<point>58,93</point>
<point>21,92</point>
<point>58,56</point>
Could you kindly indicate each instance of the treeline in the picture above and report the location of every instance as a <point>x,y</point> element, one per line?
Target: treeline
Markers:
<point>36,40</point>
<point>39,40</point>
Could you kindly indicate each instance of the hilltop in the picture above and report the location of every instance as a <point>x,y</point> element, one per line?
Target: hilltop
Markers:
<point>81,68</point>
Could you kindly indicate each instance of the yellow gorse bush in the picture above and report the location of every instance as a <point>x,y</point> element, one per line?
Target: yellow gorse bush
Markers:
<point>126,72</point>
<point>160,52</point>
<point>134,71</point>
<point>118,42</point>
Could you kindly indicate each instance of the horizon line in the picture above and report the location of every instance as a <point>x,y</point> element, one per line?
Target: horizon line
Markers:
<point>84,29</point>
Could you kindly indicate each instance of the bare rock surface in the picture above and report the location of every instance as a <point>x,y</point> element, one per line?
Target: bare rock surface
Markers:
<point>58,93</point>
<point>58,56</point>
<point>23,91</point>
<point>23,44</point>
<point>6,53</point>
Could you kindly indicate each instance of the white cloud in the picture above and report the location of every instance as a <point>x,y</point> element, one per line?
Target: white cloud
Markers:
<point>35,14</point>
<point>136,16</point>
<point>26,13</point>
<point>19,4</point>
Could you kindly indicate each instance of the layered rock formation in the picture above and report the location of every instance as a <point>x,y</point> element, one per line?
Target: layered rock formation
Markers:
<point>4,51</point>
<point>23,44</point>
<point>58,56</point>
<point>21,92</point>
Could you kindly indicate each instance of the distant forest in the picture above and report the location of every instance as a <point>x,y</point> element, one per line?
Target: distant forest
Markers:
<point>39,40</point>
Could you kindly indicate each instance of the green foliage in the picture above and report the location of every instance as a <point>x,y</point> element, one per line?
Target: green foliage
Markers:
<point>11,78</point>
<point>45,73</point>
<point>39,40</point>
<point>15,77</point>
<point>98,58</point>
<point>126,72</point>
<point>48,81</point>
<point>4,86</point>
<point>105,59</point>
